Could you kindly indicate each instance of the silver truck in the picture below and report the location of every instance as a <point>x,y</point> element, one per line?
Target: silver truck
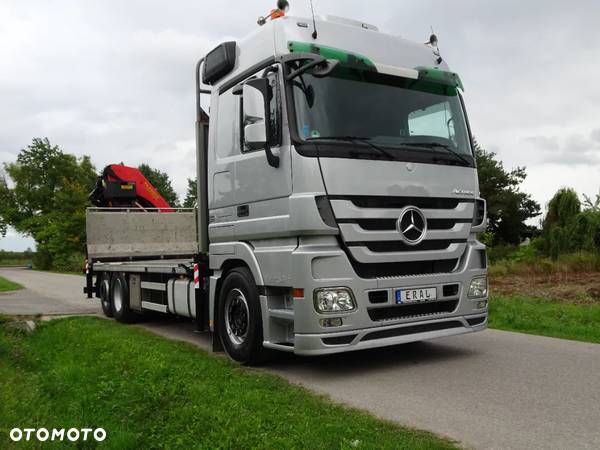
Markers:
<point>338,204</point>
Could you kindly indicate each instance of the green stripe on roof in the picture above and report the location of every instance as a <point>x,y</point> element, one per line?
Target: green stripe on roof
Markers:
<point>348,59</point>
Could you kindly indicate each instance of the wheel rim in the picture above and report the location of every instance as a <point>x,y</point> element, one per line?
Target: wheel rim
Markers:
<point>237,317</point>
<point>118,296</point>
<point>105,292</point>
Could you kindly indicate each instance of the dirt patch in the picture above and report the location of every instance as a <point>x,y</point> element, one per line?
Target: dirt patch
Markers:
<point>583,287</point>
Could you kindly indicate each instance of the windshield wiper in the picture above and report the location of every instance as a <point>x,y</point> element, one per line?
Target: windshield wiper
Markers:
<point>443,146</point>
<point>364,140</point>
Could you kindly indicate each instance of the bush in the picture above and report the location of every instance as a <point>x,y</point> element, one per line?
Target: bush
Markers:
<point>500,253</point>
<point>526,253</point>
<point>72,262</point>
<point>42,260</point>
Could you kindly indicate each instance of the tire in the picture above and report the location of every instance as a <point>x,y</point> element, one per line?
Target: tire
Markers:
<point>105,298</point>
<point>120,299</point>
<point>239,319</point>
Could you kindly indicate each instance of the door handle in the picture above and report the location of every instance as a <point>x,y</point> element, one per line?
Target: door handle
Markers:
<point>243,211</point>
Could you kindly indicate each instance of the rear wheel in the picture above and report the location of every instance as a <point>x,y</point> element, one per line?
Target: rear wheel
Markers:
<point>239,318</point>
<point>105,300</point>
<point>120,299</point>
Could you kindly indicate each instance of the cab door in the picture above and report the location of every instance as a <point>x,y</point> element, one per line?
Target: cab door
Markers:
<point>261,191</point>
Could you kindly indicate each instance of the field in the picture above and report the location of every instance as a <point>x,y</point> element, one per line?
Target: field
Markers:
<point>11,259</point>
<point>149,392</point>
<point>559,304</point>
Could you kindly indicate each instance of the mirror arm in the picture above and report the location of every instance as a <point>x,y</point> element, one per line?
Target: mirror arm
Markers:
<point>326,69</point>
<point>262,85</point>
<point>305,67</point>
<point>272,158</point>
<point>314,59</point>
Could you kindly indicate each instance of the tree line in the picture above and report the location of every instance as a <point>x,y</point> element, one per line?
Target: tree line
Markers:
<point>44,193</point>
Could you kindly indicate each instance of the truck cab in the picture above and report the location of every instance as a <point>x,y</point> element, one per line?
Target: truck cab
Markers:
<point>338,196</point>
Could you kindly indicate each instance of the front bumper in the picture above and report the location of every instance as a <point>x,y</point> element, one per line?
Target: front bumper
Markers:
<point>382,336</point>
<point>320,263</point>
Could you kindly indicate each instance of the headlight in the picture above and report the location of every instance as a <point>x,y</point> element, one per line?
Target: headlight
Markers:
<point>478,287</point>
<point>332,300</point>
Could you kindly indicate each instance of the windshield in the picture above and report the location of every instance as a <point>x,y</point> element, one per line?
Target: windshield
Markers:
<point>399,114</point>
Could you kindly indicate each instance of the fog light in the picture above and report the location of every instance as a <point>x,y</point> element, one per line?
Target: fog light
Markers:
<point>333,322</point>
<point>481,304</point>
<point>478,287</point>
<point>333,300</point>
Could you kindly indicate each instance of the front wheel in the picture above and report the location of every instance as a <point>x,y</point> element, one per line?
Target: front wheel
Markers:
<point>239,318</point>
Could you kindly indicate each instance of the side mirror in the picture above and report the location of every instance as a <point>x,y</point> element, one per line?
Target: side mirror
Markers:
<point>257,119</point>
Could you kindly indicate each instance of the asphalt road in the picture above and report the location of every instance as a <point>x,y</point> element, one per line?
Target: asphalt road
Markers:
<point>47,293</point>
<point>492,390</point>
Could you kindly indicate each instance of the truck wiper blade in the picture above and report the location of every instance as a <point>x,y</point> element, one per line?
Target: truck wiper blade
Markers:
<point>443,146</point>
<point>365,140</point>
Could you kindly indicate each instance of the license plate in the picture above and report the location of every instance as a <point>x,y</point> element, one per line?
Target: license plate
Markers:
<point>415,295</point>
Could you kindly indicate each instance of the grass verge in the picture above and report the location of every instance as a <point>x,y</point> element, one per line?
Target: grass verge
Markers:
<point>547,317</point>
<point>149,392</point>
<point>7,285</point>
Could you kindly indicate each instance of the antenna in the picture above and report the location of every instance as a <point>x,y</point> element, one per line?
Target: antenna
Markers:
<point>312,10</point>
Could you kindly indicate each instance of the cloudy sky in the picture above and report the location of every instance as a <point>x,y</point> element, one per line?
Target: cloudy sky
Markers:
<point>114,79</point>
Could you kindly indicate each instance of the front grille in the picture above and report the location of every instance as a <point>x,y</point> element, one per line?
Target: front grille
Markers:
<point>390,224</point>
<point>375,249</point>
<point>374,201</point>
<point>409,311</point>
<point>412,329</point>
<point>402,269</point>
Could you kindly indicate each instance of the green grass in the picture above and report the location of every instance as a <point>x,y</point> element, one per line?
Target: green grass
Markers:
<point>6,285</point>
<point>567,320</point>
<point>149,392</point>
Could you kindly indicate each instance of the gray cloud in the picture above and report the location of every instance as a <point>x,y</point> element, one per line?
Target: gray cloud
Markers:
<point>543,142</point>
<point>569,150</point>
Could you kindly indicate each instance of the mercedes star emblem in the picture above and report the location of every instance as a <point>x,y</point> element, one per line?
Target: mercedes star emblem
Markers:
<point>412,225</point>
